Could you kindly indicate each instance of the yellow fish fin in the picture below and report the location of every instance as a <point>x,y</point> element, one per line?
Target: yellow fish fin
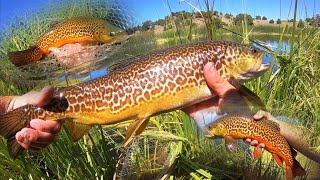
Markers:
<point>135,128</point>
<point>249,95</point>
<point>230,143</point>
<point>278,160</point>
<point>76,130</point>
<point>257,152</point>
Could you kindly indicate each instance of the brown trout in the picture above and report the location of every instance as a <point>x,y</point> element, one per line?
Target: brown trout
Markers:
<point>233,127</point>
<point>150,84</point>
<point>79,29</point>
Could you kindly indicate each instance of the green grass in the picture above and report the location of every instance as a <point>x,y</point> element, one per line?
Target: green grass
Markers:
<point>291,91</point>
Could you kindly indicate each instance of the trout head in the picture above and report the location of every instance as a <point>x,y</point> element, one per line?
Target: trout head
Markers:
<point>109,33</point>
<point>243,62</point>
<point>215,130</point>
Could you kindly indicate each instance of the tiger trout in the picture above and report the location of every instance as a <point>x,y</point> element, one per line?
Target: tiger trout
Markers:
<point>74,30</point>
<point>150,84</point>
<point>232,127</point>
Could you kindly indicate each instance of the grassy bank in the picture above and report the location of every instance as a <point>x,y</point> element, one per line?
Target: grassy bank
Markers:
<point>292,91</point>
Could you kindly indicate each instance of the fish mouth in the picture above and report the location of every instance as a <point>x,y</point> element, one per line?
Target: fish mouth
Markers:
<point>254,73</point>
<point>263,68</point>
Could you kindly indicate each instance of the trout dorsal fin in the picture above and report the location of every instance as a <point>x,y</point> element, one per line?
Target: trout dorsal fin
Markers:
<point>76,130</point>
<point>135,128</point>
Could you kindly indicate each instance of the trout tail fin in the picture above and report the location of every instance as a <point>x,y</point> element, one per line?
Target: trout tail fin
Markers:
<point>297,169</point>
<point>10,124</point>
<point>28,56</point>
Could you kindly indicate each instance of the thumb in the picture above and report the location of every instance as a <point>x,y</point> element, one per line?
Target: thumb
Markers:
<point>43,97</point>
<point>215,81</point>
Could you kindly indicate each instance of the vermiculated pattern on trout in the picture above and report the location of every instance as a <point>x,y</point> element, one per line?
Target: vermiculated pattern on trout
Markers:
<point>147,85</point>
<point>78,29</point>
<point>264,131</point>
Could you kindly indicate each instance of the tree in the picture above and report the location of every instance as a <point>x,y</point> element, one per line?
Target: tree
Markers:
<point>228,16</point>
<point>217,22</point>
<point>258,17</point>
<point>264,18</point>
<point>147,25</point>
<point>271,21</point>
<point>241,17</point>
<point>291,20</point>
<point>278,21</point>
<point>160,22</point>
<point>300,24</point>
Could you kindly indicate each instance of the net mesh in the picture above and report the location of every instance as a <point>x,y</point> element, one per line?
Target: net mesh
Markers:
<point>72,58</point>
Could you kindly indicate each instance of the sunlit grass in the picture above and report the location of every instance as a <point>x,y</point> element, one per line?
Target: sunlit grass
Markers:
<point>291,91</point>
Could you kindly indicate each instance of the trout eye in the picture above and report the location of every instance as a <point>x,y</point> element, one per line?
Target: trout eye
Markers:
<point>112,34</point>
<point>254,51</point>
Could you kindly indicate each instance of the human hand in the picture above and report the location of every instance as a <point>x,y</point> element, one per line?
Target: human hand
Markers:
<point>227,100</point>
<point>41,133</point>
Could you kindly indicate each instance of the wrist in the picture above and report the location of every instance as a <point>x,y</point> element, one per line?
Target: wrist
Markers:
<point>6,103</point>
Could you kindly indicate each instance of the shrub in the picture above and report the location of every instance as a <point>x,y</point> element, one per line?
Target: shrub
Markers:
<point>241,17</point>
<point>278,21</point>
<point>271,21</point>
<point>300,24</point>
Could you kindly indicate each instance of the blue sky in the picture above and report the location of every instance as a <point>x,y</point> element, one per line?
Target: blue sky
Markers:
<point>155,9</point>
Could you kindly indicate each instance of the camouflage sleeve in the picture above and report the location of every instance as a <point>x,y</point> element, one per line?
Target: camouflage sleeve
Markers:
<point>5,103</point>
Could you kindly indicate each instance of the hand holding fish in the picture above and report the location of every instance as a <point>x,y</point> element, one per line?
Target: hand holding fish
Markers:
<point>41,133</point>
<point>226,95</point>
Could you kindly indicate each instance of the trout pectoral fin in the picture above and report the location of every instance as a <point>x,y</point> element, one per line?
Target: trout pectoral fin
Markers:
<point>76,130</point>
<point>230,143</point>
<point>278,160</point>
<point>249,95</point>
<point>135,128</point>
<point>257,153</point>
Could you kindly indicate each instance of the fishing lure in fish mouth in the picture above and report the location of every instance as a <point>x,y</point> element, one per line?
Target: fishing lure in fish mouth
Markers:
<point>139,88</point>
<point>73,30</point>
<point>231,127</point>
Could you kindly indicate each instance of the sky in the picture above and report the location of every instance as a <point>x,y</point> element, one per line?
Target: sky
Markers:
<point>154,9</point>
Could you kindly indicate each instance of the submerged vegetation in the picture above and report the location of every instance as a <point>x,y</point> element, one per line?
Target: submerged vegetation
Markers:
<point>291,89</point>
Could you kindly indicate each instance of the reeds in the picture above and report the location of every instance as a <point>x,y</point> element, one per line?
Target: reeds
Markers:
<point>292,90</point>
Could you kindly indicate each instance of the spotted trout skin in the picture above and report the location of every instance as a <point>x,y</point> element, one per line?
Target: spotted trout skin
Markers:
<point>150,84</point>
<point>73,30</point>
<point>264,131</point>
